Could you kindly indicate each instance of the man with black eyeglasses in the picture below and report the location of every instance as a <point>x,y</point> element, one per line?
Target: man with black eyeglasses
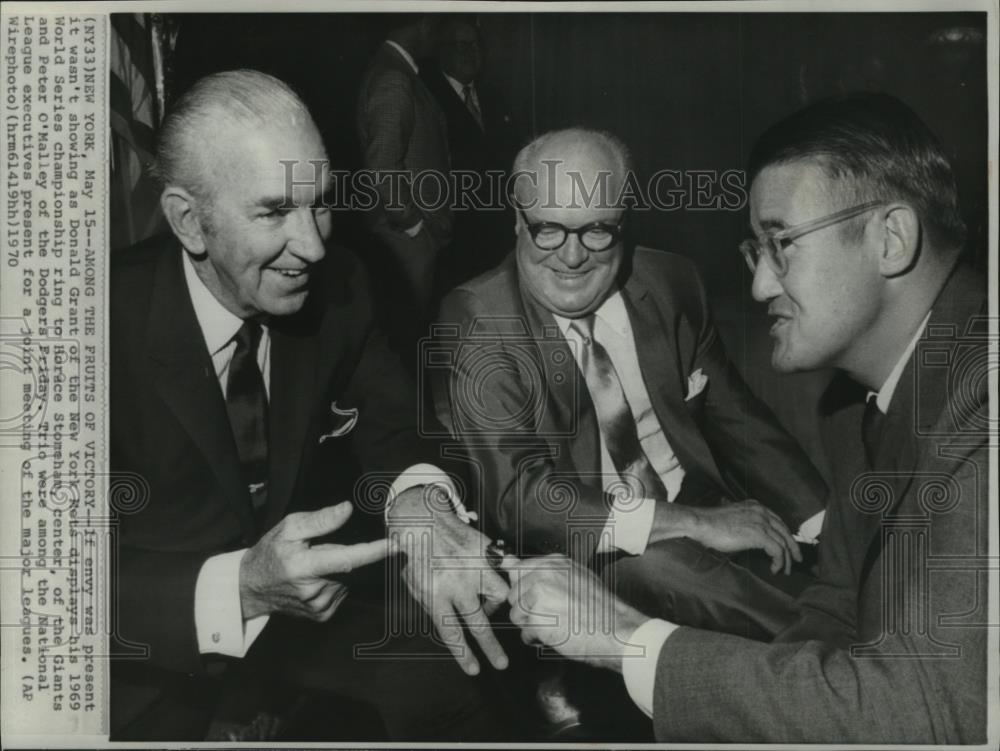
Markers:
<point>857,248</point>
<point>595,401</point>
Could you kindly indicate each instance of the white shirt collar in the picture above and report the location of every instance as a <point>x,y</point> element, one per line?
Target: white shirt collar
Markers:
<point>459,87</point>
<point>406,55</point>
<point>612,312</point>
<point>217,324</point>
<point>884,395</point>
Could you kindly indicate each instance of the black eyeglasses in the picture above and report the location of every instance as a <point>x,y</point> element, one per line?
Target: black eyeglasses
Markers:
<point>595,237</point>
<point>772,245</point>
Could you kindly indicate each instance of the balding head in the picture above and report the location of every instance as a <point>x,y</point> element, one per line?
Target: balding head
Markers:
<point>202,121</point>
<point>575,167</point>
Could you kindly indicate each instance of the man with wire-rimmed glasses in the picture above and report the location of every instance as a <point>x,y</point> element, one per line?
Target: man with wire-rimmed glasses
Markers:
<point>592,393</point>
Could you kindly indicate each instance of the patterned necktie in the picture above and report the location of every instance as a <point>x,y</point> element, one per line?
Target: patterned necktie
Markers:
<point>246,404</point>
<point>615,416</point>
<point>871,430</point>
<point>470,102</point>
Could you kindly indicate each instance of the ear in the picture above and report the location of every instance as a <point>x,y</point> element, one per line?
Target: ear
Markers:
<point>179,207</point>
<point>901,240</point>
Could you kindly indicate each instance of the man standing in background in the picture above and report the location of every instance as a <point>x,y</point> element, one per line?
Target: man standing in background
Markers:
<point>482,139</point>
<point>403,134</point>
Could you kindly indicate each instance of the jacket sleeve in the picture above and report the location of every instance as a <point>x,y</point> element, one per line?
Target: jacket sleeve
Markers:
<point>529,490</point>
<point>917,672</point>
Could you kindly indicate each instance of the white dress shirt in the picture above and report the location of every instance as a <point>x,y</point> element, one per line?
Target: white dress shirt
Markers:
<point>640,672</point>
<point>218,613</point>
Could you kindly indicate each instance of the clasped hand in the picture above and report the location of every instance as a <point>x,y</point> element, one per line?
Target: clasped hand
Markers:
<point>447,572</point>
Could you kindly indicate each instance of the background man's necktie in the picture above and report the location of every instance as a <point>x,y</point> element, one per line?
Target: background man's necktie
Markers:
<point>470,102</point>
<point>615,416</point>
<point>246,403</point>
<point>872,423</point>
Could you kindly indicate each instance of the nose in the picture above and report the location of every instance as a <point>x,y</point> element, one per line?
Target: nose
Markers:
<point>572,253</point>
<point>308,234</point>
<point>766,284</point>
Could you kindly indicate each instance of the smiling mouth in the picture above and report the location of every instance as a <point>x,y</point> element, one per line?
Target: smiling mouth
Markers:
<point>290,273</point>
<point>570,275</point>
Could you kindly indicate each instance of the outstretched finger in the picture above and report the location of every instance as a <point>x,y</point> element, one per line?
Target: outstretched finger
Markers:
<point>305,525</point>
<point>339,559</point>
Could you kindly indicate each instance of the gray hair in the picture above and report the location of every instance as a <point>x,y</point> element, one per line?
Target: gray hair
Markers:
<point>527,159</point>
<point>247,97</point>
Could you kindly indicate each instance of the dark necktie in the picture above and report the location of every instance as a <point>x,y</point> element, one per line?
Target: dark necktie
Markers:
<point>615,416</point>
<point>246,403</point>
<point>470,102</point>
<point>871,430</point>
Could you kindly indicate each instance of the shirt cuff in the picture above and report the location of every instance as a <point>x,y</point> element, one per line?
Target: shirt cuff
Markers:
<point>628,526</point>
<point>415,229</point>
<point>218,615</point>
<point>428,474</point>
<point>809,529</point>
<point>640,671</point>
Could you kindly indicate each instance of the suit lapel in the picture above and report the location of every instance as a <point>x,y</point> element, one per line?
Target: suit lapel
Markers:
<point>293,392</point>
<point>662,373</point>
<point>185,380</point>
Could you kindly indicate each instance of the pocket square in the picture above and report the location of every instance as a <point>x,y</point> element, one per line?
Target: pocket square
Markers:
<point>344,421</point>
<point>697,382</point>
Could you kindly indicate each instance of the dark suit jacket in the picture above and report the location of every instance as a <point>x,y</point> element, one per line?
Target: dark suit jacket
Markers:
<point>401,127</point>
<point>892,644</point>
<point>490,147</point>
<point>483,222</point>
<point>517,400</point>
<point>171,440</point>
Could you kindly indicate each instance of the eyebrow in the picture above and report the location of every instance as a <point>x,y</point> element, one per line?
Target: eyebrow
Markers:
<point>768,225</point>
<point>281,200</point>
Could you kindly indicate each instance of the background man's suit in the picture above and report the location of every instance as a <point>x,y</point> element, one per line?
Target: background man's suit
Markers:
<point>518,369</point>
<point>169,427</point>
<point>481,236</point>
<point>401,128</point>
<point>913,619</point>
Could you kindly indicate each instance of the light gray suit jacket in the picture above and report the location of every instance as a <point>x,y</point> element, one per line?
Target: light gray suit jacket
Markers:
<point>891,647</point>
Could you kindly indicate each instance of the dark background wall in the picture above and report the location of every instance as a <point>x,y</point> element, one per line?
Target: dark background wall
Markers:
<point>687,91</point>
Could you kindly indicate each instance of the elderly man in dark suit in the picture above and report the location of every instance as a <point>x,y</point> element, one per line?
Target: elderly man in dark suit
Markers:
<point>404,142</point>
<point>250,393</point>
<point>857,247</point>
<point>592,394</point>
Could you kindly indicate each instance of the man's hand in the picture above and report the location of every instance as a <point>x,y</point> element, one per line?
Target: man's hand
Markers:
<point>284,573</point>
<point>729,528</point>
<point>561,604</point>
<point>448,574</point>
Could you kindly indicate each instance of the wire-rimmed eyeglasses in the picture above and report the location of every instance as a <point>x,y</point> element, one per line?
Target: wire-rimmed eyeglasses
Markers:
<point>772,245</point>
